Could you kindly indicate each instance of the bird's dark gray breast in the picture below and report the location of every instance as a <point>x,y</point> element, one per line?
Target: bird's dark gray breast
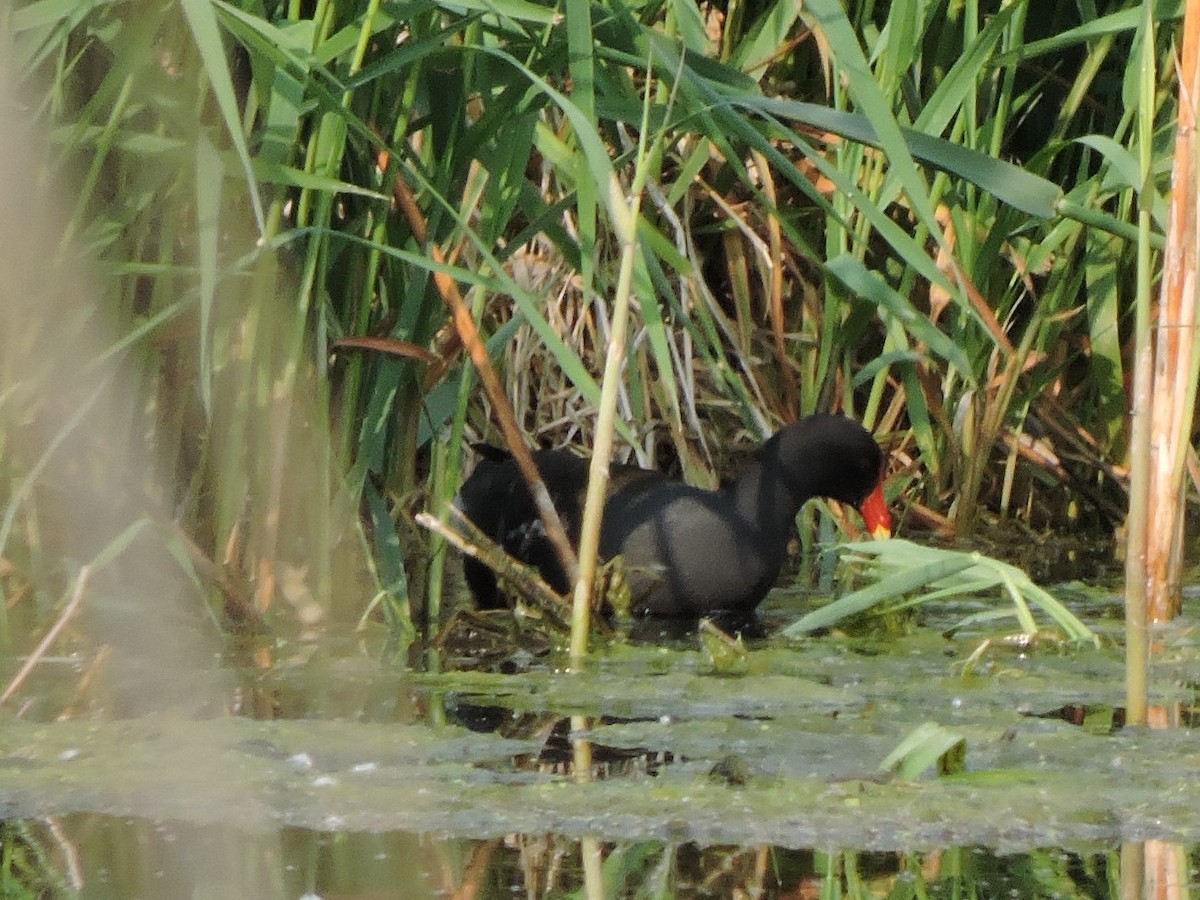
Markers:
<point>686,549</point>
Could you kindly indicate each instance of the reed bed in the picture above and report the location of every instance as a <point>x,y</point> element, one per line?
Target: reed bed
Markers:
<point>920,214</point>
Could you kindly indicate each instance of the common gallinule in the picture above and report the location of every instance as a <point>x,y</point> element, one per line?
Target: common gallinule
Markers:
<point>687,551</point>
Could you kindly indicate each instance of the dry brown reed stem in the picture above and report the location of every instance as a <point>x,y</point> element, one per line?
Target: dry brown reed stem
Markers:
<point>1175,349</point>
<point>982,308</point>
<point>464,324</point>
<point>83,687</point>
<point>70,853</point>
<point>389,346</point>
<point>81,583</point>
<point>1167,874</point>
<point>477,870</point>
<point>775,304</point>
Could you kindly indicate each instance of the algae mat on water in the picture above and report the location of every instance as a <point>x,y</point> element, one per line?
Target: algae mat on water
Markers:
<point>805,731</point>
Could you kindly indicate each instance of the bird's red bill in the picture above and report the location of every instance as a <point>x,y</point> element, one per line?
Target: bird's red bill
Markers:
<point>875,513</point>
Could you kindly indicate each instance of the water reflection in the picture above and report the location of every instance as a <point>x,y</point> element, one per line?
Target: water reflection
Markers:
<point>350,775</point>
<point>121,858</point>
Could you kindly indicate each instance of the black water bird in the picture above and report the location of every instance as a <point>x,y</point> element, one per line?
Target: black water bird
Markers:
<point>687,551</point>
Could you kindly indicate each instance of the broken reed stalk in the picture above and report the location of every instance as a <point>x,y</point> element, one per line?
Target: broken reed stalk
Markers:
<point>527,582</point>
<point>468,333</point>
